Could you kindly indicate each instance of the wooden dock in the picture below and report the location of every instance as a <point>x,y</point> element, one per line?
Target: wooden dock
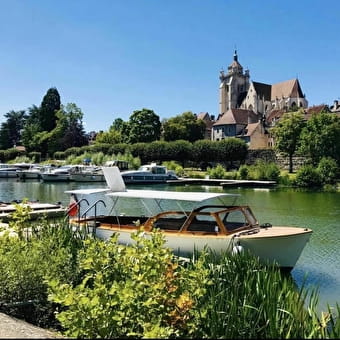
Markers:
<point>37,209</point>
<point>223,182</point>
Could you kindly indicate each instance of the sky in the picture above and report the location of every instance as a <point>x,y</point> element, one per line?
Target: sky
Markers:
<point>112,57</point>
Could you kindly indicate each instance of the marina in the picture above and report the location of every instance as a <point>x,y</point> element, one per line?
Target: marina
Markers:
<point>319,264</point>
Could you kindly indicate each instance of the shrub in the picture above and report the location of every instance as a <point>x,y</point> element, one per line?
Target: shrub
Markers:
<point>328,170</point>
<point>308,176</point>
<point>243,172</point>
<point>216,172</point>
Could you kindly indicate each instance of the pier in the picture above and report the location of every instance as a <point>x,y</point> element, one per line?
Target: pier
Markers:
<point>223,182</point>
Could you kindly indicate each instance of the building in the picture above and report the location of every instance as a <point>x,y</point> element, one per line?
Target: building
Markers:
<point>243,102</point>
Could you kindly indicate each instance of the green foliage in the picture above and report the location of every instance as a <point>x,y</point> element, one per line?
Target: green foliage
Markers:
<point>308,176</point>
<point>172,165</point>
<point>261,170</point>
<point>287,134</point>
<point>321,137</point>
<point>144,126</point>
<point>249,301</point>
<point>130,291</point>
<point>185,126</point>
<point>10,130</point>
<point>328,170</point>
<point>217,172</point>
<point>243,172</point>
<point>231,149</point>
<point>26,262</point>
<point>49,106</point>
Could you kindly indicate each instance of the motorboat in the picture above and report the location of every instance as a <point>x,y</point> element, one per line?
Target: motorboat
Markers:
<point>9,172</point>
<point>189,221</point>
<point>60,174</point>
<point>33,172</point>
<point>149,173</point>
<point>87,173</point>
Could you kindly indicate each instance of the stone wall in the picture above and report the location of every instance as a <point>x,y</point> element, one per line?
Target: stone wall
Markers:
<point>269,155</point>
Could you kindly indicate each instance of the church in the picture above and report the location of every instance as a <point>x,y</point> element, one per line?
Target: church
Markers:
<point>245,106</point>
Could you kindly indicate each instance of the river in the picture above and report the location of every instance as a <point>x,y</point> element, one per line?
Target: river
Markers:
<point>319,264</point>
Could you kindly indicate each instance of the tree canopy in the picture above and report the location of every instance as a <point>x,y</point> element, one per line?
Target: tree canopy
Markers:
<point>287,134</point>
<point>144,126</point>
<point>185,126</point>
<point>11,129</point>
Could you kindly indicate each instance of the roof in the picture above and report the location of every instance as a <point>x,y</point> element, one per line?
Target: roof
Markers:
<point>288,88</point>
<point>251,128</point>
<point>263,90</point>
<point>170,195</point>
<point>237,116</point>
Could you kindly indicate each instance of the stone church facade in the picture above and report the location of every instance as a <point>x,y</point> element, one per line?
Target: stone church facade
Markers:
<point>245,105</point>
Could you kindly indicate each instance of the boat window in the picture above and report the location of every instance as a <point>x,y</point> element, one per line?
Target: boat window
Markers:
<point>235,219</point>
<point>203,223</point>
<point>170,221</point>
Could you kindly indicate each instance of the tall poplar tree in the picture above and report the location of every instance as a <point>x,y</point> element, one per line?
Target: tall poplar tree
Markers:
<point>49,106</point>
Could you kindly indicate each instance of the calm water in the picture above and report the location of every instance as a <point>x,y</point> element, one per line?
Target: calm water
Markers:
<point>319,264</point>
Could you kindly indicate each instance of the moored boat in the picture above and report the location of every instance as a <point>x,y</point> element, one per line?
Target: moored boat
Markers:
<point>189,221</point>
<point>87,174</point>
<point>149,173</point>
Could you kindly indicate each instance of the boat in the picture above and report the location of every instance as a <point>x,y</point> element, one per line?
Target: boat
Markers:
<point>87,173</point>
<point>149,173</point>
<point>189,221</point>
<point>60,174</point>
<point>34,172</point>
<point>9,172</point>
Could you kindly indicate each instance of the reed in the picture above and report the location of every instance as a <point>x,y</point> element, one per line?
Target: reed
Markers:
<point>249,300</point>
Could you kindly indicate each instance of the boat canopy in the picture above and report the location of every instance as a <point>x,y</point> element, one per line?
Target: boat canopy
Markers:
<point>87,191</point>
<point>170,195</point>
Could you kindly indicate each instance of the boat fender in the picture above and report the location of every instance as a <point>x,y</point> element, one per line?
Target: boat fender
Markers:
<point>238,249</point>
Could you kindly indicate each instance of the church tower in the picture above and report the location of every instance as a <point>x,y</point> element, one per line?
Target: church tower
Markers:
<point>233,87</point>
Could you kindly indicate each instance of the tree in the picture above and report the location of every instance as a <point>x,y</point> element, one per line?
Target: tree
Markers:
<point>49,106</point>
<point>144,126</point>
<point>321,137</point>
<point>185,126</point>
<point>287,134</point>
<point>11,129</point>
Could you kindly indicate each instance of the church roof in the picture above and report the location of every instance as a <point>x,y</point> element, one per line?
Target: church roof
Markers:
<point>262,90</point>
<point>250,129</point>
<point>237,116</point>
<point>289,88</point>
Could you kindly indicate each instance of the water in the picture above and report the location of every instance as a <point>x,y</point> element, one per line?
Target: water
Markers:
<point>319,264</point>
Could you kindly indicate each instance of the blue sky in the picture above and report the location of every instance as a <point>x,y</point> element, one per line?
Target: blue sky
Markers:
<point>111,57</point>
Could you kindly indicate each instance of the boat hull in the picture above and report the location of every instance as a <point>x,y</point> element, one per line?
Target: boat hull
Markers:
<point>87,177</point>
<point>55,177</point>
<point>270,246</point>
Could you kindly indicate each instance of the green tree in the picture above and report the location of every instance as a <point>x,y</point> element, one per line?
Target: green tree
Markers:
<point>144,126</point>
<point>31,128</point>
<point>321,137</point>
<point>49,106</point>
<point>287,134</point>
<point>185,126</point>
<point>69,131</point>
<point>11,129</point>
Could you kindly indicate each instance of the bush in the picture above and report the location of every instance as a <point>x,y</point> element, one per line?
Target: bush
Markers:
<point>328,170</point>
<point>243,172</point>
<point>308,176</point>
<point>217,172</point>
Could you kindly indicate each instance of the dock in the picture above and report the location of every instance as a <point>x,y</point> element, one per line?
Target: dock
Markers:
<point>37,210</point>
<point>223,182</point>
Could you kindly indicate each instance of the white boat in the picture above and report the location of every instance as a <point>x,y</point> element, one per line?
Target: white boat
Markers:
<point>149,173</point>
<point>87,174</point>
<point>34,172</point>
<point>61,174</point>
<point>189,221</point>
<point>9,172</point>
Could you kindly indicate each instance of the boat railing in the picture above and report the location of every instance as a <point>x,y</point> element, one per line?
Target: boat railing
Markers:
<point>94,205</point>
<point>76,205</point>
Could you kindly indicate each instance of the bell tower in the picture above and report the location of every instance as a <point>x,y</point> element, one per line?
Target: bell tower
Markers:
<point>234,85</point>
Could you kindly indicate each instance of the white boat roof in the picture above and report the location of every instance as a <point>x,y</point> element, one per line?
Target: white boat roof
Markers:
<point>169,195</point>
<point>87,191</point>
